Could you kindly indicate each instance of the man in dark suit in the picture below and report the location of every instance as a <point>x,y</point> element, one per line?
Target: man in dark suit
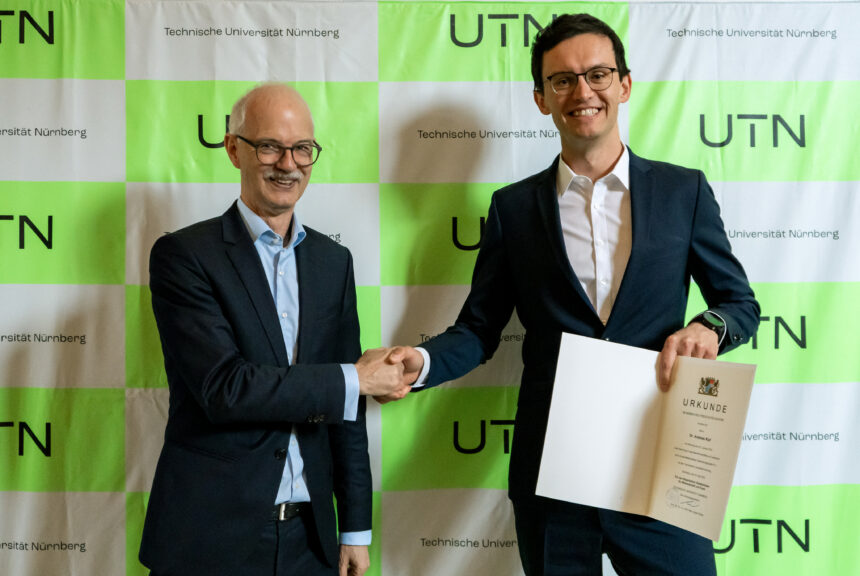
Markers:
<point>603,244</point>
<point>258,324</point>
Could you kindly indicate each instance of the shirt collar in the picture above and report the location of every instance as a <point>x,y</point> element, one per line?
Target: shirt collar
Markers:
<point>620,172</point>
<point>257,227</point>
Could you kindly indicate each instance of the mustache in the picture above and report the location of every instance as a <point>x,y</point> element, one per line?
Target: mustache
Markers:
<point>276,174</point>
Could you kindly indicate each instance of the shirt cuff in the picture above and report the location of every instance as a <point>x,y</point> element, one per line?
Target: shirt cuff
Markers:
<point>422,377</point>
<point>350,401</point>
<point>356,538</point>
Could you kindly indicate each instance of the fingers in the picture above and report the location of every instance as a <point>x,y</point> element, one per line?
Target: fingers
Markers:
<point>694,340</point>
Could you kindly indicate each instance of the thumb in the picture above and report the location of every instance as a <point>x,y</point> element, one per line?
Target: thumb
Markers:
<point>396,356</point>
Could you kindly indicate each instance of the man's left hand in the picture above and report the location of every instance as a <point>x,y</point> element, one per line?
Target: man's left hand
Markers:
<point>694,340</point>
<point>354,560</point>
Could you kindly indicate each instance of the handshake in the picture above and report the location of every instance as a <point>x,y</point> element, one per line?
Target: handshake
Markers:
<point>387,374</point>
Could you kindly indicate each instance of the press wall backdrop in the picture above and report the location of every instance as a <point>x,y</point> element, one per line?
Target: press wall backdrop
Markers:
<point>112,114</point>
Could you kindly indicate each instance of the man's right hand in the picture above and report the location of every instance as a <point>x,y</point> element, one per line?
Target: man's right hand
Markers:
<point>379,377</point>
<point>412,362</point>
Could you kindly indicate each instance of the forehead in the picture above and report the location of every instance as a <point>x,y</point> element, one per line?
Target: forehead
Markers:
<point>278,115</point>
<point>579,53</point>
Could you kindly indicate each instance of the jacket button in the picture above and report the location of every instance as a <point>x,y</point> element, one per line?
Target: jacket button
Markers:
<point>280,454</point>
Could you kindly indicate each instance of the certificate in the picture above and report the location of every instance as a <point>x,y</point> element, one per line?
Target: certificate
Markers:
<point>615,441</point>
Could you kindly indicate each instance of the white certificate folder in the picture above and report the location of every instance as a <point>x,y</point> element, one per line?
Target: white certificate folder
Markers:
<point>615,441</point>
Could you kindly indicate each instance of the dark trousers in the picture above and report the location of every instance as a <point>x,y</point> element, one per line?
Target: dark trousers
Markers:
<point>288,548</point>
<point>561,539</point>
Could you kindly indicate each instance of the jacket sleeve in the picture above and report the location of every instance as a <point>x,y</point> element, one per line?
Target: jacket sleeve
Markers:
<point>718,274</point>
<point>203,358</point>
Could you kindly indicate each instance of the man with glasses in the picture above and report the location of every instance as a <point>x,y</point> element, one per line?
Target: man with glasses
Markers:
<point>556,247</point>
<point>259,329</point>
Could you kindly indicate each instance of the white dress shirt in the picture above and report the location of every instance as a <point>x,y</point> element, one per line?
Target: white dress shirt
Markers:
<point>597,229</point>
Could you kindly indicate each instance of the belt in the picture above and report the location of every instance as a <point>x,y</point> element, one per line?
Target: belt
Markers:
<point>289,510</point>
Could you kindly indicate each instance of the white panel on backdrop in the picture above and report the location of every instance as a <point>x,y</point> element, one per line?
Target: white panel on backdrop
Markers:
<point>145,417</point>
<point>800,435</point>
<point>465,132</point>
<point>63,533</point>
<point>62,130</point>
<point>347,213</point>
<point>769,42</point>
<point>798,231</point>
<point>419,530</point>
<point>253,41</point>
<point>62,336</point>
<point>462,132</point>
<point>411,314</point>
<point>154,209</point>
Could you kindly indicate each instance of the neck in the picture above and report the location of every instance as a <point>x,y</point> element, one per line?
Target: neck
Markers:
<point>594,162</point>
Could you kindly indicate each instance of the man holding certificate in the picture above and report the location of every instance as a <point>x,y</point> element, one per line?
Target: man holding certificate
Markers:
<point>601,244</point>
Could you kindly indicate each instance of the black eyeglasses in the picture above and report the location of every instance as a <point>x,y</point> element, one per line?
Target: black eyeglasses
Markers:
<point>269,153</point>
<point>599,78</point>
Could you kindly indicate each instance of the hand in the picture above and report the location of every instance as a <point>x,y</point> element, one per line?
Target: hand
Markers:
<point>377,377</point>
<point>354,560</point>
<point>413,363</point>
<point>694,340</point>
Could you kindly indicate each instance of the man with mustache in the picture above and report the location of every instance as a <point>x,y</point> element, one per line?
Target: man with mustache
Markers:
<point>259,329</point>
<point>556,247</point>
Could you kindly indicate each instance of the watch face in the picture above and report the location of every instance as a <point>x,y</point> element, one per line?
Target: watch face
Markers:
<point>713,319</point>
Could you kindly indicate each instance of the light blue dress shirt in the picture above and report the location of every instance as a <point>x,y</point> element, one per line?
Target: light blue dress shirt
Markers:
<point>279,264</point>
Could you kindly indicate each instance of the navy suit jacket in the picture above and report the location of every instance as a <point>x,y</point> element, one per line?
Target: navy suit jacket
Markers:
<point>523,264</point>
<point>234,397</point>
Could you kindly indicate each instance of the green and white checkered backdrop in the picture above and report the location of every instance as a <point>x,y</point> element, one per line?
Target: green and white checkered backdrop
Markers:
<point>111,118</point>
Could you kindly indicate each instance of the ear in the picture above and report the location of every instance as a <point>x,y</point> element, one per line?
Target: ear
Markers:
<point>626,86</point>
<point>540,100</point>
<point>230,145</point>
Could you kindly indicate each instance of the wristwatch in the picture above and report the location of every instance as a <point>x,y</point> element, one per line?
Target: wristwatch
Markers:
<point>713,322</point>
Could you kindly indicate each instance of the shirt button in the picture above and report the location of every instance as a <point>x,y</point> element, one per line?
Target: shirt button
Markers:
<point>284,315</point>
<point>280,272</point>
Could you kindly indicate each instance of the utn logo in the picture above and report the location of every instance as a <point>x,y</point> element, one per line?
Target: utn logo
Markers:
<point>785,535</point>
<point>482,437</point>
<point>25,430</point>
<point>473,34</point>
<point>24,19</point>
<point>798,335</point>
<point>777,123</point>
<point>24,223</point>
<point>202,139</point>
<point>455,236</point>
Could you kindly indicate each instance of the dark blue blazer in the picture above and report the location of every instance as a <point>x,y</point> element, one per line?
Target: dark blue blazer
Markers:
<point>234,397</point>
<point>523,264</point>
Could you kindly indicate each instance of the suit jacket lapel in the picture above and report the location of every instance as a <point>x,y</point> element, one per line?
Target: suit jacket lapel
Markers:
<point>246,261</point>
<point>642,193</point>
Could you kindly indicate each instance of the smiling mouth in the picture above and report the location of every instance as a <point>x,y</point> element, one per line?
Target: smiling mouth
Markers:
<point>585,112</point>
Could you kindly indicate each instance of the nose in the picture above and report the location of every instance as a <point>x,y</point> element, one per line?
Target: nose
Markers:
<point>582,89</point>
<point>287,163</point>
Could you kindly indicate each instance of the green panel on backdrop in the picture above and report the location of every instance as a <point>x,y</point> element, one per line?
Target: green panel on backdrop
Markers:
<point>472,41</point>
<point>790,531</point>
<point>417,231</point>
<point>175,130</point>
<point>135,512</point>
<point>144,362</point>
<point>62,233</point>
<point>63,39</point>
<point>369,316</point>
<point>803,336</point>
<point>72,439</point>
<point>758,131</point>
<point>422,451</point>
